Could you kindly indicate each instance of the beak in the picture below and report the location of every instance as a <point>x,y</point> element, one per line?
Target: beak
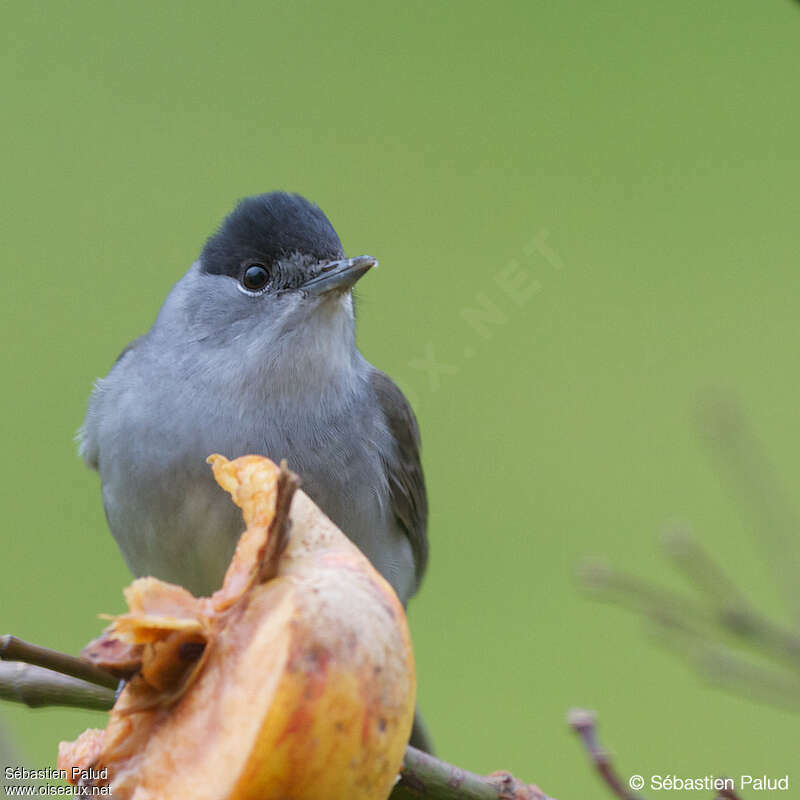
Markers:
<point>339,276</point>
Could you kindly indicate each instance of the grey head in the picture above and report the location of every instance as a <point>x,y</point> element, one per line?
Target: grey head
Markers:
<point>274,262</point>
<point>268,307</point>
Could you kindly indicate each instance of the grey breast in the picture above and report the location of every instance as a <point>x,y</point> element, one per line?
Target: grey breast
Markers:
<point>149,435</point>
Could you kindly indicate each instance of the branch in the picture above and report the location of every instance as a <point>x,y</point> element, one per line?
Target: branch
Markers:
<point>14,649</point>
<point>727,794</point>
<point>583,723</point>
<point>36,687</point>
<point>422,775</point>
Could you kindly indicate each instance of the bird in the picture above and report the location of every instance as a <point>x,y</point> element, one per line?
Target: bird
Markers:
<point>253,352</point>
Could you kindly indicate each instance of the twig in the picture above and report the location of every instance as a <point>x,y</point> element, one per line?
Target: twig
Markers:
<point>727,794</point>
<point>14,649</point>
<point>584,724</point>
<point>36,687</point>
<point>424,776</point>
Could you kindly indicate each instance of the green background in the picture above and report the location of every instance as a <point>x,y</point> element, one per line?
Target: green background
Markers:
<point>657,147</point>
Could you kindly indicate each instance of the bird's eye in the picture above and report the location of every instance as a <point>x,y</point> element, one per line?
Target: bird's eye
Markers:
<point>255,277</point>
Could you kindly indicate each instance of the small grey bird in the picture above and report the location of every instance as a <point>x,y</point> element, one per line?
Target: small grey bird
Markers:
<point>253,352</point>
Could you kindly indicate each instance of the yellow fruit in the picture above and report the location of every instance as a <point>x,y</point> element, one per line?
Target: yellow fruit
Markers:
<point>294,681</point>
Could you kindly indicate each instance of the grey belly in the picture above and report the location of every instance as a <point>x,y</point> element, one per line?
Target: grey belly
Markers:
<point>180,526</point>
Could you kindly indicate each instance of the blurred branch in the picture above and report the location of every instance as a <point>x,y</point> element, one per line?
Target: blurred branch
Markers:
<point>754,482</point>
<point>714,627</point>
<point>697,632</point>
<point>701,627</point>
<point>422,775</point>
<point>732,608</point>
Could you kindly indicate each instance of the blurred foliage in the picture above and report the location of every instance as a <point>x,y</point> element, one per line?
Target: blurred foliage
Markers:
<point>651,148</point>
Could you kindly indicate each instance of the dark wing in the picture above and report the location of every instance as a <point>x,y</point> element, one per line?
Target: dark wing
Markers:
<point>404,469</point>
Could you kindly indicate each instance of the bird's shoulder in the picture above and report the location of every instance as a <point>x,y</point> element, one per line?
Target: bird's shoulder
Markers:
<point>88,435</point>
<point>129,348</point>
<point>404,467</point>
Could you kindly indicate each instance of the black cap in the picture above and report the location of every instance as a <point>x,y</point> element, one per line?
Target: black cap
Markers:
<point>266,228</point>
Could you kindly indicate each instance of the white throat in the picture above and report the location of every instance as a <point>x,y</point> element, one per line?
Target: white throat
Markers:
<point>314,363</point>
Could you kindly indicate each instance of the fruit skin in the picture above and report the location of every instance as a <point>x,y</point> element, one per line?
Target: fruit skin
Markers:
<point>307,686</point>
<point>341,719</point>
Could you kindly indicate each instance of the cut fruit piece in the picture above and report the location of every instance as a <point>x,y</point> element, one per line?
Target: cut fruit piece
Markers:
<point>294,681</point>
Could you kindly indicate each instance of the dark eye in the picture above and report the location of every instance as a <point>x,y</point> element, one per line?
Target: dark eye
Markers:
<point>255,277</point>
